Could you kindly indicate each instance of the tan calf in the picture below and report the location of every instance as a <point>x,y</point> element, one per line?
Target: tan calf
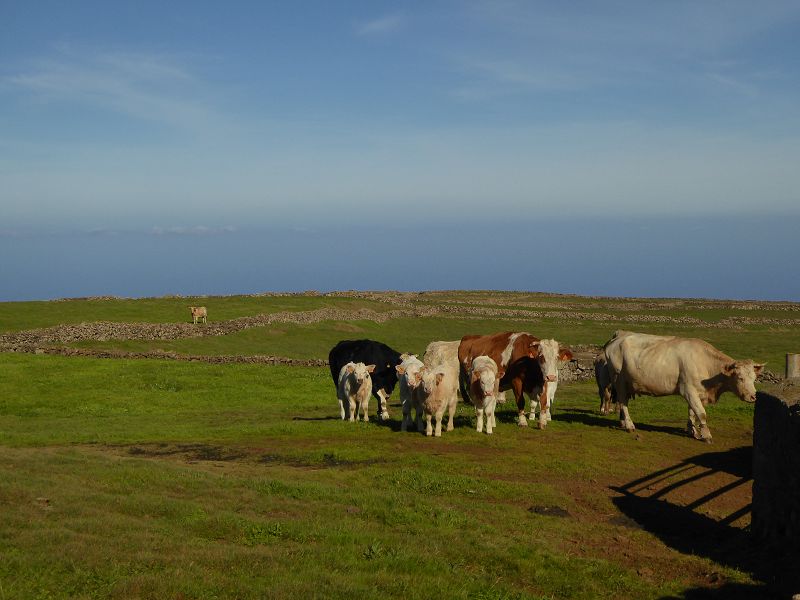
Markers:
<point>198,313</point>
<point>354,389</point>
<point>435,392</point>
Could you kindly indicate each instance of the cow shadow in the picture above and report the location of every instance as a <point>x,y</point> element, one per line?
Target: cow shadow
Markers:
<point>690,532</point>
<point>588,417</point>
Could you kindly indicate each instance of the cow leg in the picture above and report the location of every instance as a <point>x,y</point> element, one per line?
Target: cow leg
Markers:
<point>451,412</point>
<point>551,395</point>
<point>534,407</point>
<point>439,419</point>
<point>490,415</point>
<point>406,402</point>
<point>696,407</point>
<point>543,408</point>
<point>365,410</point>
<point>352,405</point>
<point>622,400</point>
<point>479,412</point>
<point>341,408</point>
<point>428,427</point>
<point>383,405</point>
<point>516,386</point>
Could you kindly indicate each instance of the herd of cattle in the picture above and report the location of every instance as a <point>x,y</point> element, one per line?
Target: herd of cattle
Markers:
<point>480,367</point>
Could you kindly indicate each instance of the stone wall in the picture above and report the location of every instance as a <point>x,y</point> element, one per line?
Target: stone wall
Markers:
<point>776,466</point>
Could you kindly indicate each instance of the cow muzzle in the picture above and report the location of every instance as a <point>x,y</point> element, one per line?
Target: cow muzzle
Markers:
<point>551,378</point>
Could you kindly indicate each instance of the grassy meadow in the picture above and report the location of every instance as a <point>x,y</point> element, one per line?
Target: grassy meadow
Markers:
<point>146,478</point>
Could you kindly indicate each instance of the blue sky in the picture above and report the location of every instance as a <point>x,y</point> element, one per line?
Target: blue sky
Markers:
<point>200,118</point>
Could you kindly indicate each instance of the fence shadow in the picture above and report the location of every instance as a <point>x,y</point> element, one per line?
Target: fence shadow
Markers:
<point>680,525</point>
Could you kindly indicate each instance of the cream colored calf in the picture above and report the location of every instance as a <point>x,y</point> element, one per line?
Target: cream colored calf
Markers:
<point>407,374</point>
<point>435,392</point>
<point>354,389</point>
<point>483,390</point>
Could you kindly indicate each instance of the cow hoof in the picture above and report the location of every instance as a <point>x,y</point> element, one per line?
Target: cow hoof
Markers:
<point>522,422</point>
<point>542,425</point>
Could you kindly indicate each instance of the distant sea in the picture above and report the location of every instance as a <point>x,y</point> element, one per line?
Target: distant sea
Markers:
<point>722,257</point>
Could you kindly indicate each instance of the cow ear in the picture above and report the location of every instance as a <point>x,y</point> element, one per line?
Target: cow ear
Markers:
<point>350,368</point>
<point>564,354</point>
<point>418,376</point>
<point>400,370</point>
<point>370,368</point>
<point>405,356</point>
<point>758,367</point>
<point>501,373</point>
<point>729,369</point>
<point>473,377</point>
<point>439,377</point>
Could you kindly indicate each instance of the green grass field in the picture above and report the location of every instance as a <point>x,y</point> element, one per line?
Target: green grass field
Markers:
<point>161,479</point>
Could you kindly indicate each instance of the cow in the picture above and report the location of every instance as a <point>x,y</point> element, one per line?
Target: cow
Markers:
<point>520,367</point>
<point>435,392</point>
<point>483,389</point>
<point>198,313</point>
<point>551,354</point>
<point>604,388</point>
<point>657,365</point>
<point>407,375</point>
<point>353,390</point>
<point>370,352</point>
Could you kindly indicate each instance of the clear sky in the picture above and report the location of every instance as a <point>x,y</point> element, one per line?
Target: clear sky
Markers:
<point>208,118</point>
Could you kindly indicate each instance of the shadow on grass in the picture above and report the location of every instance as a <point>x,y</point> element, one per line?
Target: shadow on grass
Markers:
<point>588,417</point>
<point>681,527</point>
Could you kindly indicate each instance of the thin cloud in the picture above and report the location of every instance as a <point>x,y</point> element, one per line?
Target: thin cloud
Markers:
<point>197,230</point>
<point>141,86</point>
<point>382,25</point>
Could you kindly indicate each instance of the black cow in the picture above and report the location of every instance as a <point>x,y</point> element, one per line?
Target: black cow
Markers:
<point>370,352</point>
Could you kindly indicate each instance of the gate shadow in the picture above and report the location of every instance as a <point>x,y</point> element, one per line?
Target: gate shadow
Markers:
<point>681,527</point>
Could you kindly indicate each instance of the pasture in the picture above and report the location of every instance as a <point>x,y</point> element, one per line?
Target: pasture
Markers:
<point>155,478</point>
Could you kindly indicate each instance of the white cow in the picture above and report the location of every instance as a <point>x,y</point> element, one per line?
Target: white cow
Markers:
<point>407,375</point>
<point>484,384</point>
<point>435,393</point>
<point>657,365</point>
<point>551,354</point>
<point>354,389</point>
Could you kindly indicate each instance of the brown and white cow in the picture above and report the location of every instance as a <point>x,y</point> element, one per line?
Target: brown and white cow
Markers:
<point>518,368</point>
<point>551,355</point>
<point>198,313</point>
<point>483,389</point>
<point>657,365</point>
<point>354,389</point>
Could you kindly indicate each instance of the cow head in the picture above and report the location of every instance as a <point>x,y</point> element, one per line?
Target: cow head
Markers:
<point>741,376</point>
<point>485,374</point>
<point>550,355</point>
<point>409,369</point>
<point>360,371</point>
<point>430,380</point>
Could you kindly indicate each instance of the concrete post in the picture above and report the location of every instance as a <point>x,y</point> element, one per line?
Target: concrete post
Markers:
<point>792,366</point>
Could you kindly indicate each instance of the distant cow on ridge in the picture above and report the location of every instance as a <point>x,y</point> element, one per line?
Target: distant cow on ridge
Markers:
<point>198,313</point>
